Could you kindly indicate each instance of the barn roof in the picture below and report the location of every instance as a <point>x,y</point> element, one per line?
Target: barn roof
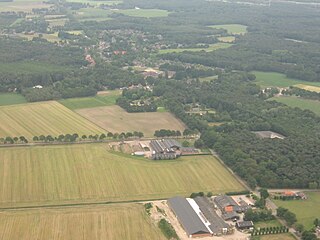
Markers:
<point>187,216</point>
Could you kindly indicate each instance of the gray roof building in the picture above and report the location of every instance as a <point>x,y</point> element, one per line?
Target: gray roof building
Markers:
<point>187,217</point>
<point>244,225</point>
<point>225,201</point>
<point>218,226</point>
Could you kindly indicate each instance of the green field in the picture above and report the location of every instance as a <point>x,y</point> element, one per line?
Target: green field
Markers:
<point>233,29</point>
<point>271,223</point>
<point>211,48</point>
<point>92,14</point>
<point>31,67</point>
<point>90,173</point>
<point>11,99</point>
<point>125,221</point>
<point>273,79</point>
<point>107,99</point>
<point>306,210</point>
<point>34,119</point>
<point>208,79</point>
<point>147,13</point>
<point>312,105</point>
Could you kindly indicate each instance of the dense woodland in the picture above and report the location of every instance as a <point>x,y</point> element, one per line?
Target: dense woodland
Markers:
<point>282,38</point>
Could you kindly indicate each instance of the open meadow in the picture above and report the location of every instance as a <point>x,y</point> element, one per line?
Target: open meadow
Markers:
<point>211,48</point>
<point>233,29</point>
<point>11,99</point>
<point>306,210</point>
<point>107,98</point>
<point>312,105</point>
<point>92,14</point>
<point>53,175</point>
<point>116,120</point>
<point>25,67</point>
<point>273,79</point>
<point>125,221</point>
<point>34,119</point>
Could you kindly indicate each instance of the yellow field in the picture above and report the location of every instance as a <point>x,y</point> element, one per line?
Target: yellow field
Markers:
<point>308,87</point>
<point>125,221</point>
<point>89,173</point>
<point>116,120</point>
<point>42,118</point>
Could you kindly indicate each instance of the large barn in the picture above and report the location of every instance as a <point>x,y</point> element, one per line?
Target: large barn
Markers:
<point>165,149</point>
<point>188,218</point>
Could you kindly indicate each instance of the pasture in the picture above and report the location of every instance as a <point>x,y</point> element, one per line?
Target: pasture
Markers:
<point>92,14</point>
<point>306,210</point>
<point>42,118</point>
<point>146,13</point>
<point>233,29</point>
<point>312,105</point>
<point>116,120</point>
<point>108,98</point>
<point>125,221</point>
<point>308,87</point>
<point>11,99</point>
<point>273,79</point>
<point>81,173</point>
<point>211,48</point>
<point>23,5</point>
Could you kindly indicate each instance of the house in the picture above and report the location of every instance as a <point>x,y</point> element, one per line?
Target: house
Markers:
<point>227,204</point>
<point>188,218</point>
<point>217,225</point>
<point>244,225</point>
<point>230,216</point>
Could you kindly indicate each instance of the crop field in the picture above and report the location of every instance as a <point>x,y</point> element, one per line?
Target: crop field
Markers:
<point>11,98</point>
<point>211,48</point>
<point>96,3</point>
<point>42,118</point>
<point>308,87</point>
<point>125,221</point>
<point>92,14</point>
<point>22,5</point>
<point>229,39</point>
<point>31,67</point>
<point>68,174</point>
<point>306,210</point>
<point>116,120</point>
<point>106,99</point>
<point>233,29</point>
<point>312,105</point>
<point>147,13</point>
<point>273,79</point>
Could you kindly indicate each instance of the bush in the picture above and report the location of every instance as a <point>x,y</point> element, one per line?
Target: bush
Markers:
<point>167,229</point>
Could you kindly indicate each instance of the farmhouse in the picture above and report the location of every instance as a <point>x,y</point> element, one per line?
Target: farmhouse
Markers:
<point>188,218</point>
<point>227,205</point>
<point>165,149</point>
<point>217,225</point>
<point>244,225</point>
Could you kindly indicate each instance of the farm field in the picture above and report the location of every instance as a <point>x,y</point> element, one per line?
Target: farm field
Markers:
<point>273,79</point>
<point>283,236</point>
<point>125,221</point>
<point>116,120</point>
<point>35,176</point>
<point>92,14</point>
<point>306,210</point>
<point>211,48</point>
<point>11,98</point>
<point>229,39</point>
<point>312,105</point>
<point>42,118</point>
<point>106,99</point>
<point>234,29</point>
<point>22,5</point>
<point>308,87</point>
<point>96,3</point>
<point>146,13</point>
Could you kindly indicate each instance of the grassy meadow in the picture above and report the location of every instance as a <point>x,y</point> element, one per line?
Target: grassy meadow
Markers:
<point>283,236</point>
<point>106,99</point>
<point>116,120</point>
<point>306,210</point>
<point>125,221</point>
<point>312,105</point>
<point>233,29</point>
<point>90,173</point>
<point>92,14</point>
<point>31,67</point>
<point>211,48</point>
<point>11,99</point>
<point>42,118</point>
<point>273,79</point>
<point>146,13</point>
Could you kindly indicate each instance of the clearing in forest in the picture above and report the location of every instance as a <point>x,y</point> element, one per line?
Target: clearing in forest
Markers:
<point>107,98</point>
<point>33,176</point>
<point>233,29</point>
<point>211,48</point>
<point>42,118</point>
<point>306,210</point>
<point>125,221</point>
<point>116,120</point>
<point>312,105</point>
